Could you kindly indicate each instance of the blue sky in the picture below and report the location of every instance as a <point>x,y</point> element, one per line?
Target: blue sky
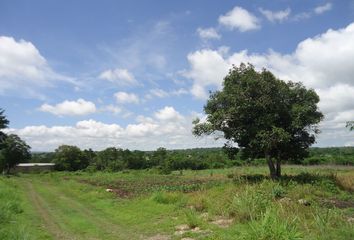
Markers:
<point>134,74</point>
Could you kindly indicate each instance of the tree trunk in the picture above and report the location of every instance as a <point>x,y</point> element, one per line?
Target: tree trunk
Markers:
<point>271,166</point>
<point>278,168</point>
<point>7,170</point>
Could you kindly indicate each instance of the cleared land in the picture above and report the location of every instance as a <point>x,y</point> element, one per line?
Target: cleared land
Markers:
<point>237,203</point>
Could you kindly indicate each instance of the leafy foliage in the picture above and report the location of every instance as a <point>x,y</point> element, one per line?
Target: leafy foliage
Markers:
<point>3,121</point>
<point>265,116</point>
<point>70,158</point>
<point>14,151</point>
<point>3,124</point>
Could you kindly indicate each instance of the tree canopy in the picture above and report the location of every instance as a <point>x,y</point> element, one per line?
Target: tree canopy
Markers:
<point>265,116</point>
<point>70,158</point>
<point>350,125</point>
<point>3,124</point>
<point>14,151</point>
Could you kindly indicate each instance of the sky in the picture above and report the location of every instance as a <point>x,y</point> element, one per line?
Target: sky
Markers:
<point>134,74</point>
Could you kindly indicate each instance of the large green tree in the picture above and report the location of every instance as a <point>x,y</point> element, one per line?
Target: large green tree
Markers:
<point>265,116</point>
<point>70,158</point>
<point>14,151</point>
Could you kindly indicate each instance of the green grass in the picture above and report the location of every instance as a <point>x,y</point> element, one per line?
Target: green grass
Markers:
<point>143,204</point>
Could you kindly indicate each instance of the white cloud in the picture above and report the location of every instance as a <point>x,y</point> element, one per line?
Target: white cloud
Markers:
<point>208,67</point>
<point>323,8</point>
<point>208,33</point>
<point>119,76</point>
<point>78,107</point>
<point>302,15</point>
<point>160,93</point>
<point>324,62</point>
<point>123,97</point>
<point>111,108</point>
<point>337,98</point>
<point>319,62</point>
<point>92,128</point>
<point>239,18</point>
<point>179,92</point>
<point>21,64</point>
<point>278,16</point>
<point>166,128</point>
<point>157,92</point>
<point>142,129</point>
<point>168,113</point>
<point>316,11</point>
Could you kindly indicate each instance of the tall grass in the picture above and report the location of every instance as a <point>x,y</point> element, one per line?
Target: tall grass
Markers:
<point>270,226</point>
<point>10,211</point>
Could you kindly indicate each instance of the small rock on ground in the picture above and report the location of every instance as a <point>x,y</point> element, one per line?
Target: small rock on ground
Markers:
<point>223,223</point>
<point>285,200</point>
<point>159,237</point>
<point>204,216</point>
<point>182,227</point>
<point>304,202</point>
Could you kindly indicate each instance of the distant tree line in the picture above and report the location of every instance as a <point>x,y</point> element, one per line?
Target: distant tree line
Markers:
<point>72,158</point>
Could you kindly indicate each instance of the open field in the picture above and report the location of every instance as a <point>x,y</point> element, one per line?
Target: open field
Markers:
<point>236,203</point>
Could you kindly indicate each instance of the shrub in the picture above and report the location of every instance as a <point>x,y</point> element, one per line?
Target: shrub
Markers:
<point>278,191</point>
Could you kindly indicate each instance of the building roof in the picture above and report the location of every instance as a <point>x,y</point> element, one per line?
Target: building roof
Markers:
<point>34,164</point>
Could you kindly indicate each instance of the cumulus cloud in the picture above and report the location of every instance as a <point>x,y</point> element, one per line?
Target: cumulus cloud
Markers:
<point>21,64</point>
<point>208,33</point>
<point>123,97</point>
<point>276,16</point>
<point>166,128</point>
<point>168,113</point>
<point>208,67</point>
<point>119,76</point>
<point>337,98</point>
<point>319,62</point>
<point>324,62</point>
<point>71,108</point>
<point>111,108</point>
<point>240,19</point>
<point>323,8</point>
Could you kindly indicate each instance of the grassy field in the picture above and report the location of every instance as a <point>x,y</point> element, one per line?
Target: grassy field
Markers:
<point>237,203</point>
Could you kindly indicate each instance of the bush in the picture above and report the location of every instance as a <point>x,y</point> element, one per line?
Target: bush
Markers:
<point>314,160</point>
<point>278,191</point>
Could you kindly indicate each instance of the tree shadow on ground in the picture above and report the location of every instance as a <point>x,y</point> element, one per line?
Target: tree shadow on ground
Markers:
<point>301,178</point>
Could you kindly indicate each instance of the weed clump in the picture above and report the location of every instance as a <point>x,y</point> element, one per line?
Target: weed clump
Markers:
<point>278,191</point>
<point>249,205</point>
<point>167,197</point>
<point>270,226</point>
<point>192,218</point>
